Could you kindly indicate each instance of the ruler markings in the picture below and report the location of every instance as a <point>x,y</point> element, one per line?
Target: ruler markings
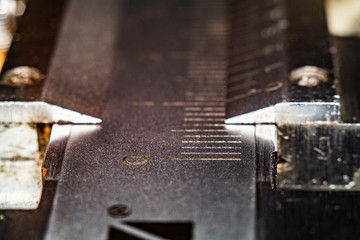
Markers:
<point>204,100</point>
<point>209,147</point>
<point>206,91</point>
<point>199,109</point>
<point>216,94</point>
<point>204,119</point>
<point>244,57</point>
<point>273,66</point>
<point>205,114</point>
<point>245,75</point>
<point>201,159</point>
<point>210,153</point>
<point>204,125</point>
<point>242,86</point>
<point>199,141</point>
<point>206,72</point>
<point>236,68</point>
<point>199,130</point>
<point>182,104</point>
<point>211,136</point>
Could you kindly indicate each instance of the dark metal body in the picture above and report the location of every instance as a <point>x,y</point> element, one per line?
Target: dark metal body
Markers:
<point>169,59</point>
<point>319,155</point>
<point>347,71</point>
<point>72,44</point>
<point>267,40</point>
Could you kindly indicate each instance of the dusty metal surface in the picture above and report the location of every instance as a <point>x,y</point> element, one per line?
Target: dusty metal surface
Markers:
<point>80,72</point>
<point>55,151</point>
<point>62,43</point>
<point>32,223</point>
<point>269,39</point>
<point>33,46</point>
<point>163,155</point>
<point>170,113</point>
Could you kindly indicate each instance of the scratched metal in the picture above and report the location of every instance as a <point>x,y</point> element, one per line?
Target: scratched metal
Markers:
<point>267,40</point>
<point>319,156</point>
<point>163,148</point>
<point>298,214</point>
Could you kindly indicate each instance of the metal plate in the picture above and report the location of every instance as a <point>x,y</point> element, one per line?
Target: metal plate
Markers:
<point>76,58</point>
<point>162,149</point>
<point>319,156</point>
<point>268,39</point>
<point>166,95</point>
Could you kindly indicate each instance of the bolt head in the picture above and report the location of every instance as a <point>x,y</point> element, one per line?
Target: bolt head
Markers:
<point>309,76</point>
<point>119,210</point>
<point>22,76</point>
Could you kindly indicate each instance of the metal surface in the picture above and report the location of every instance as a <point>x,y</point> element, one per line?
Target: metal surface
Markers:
<point>163,149</point>
<point>33,45</point>
<point>267,42</point>
<point>347,70</point>
<point>319,156</point>
<point>298,214</point>
<point>20,167</point>
<point>309,76</point>
<point>76,65</point>
<point>29,224</point>
<point>22,76</point>
<point>40,112</point>
<point>295,112</point>
<point>198,170</point>
<point>55,151</point>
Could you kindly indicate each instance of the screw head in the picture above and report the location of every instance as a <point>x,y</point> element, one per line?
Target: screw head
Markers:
<point>22,76</point>
<point>309,76</point>
<point>119,210</point>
